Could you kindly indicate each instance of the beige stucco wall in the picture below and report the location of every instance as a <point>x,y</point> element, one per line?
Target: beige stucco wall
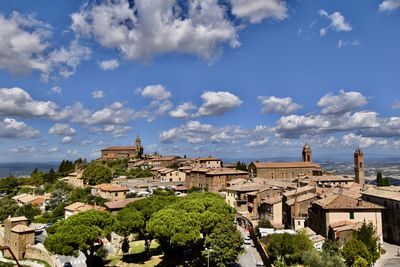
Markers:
<point>176,176</point>
<point>276,173</point>
<point>277,213</point>
<point>374,217</point>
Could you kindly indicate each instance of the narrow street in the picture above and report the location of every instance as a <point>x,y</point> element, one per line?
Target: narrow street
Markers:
<point>390,258</point>
<point>250,256</point>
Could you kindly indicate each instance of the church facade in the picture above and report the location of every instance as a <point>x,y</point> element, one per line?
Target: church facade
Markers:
<point>123,152</point>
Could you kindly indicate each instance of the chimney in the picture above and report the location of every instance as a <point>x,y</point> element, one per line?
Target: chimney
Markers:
<point>359,202</point>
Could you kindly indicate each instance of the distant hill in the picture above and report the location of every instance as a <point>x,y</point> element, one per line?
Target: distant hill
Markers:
<point>24,168</point>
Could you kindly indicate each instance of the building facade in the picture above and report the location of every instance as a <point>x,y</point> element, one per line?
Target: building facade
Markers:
<point>123,152</point>
<point>388,197</point>
<point>359,166</point>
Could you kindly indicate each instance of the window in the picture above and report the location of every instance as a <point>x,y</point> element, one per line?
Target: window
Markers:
<point>397,205</point>
<point>116,194</point>
<point>298,222</point>
<point>384,203</point>
<point>351,215</point>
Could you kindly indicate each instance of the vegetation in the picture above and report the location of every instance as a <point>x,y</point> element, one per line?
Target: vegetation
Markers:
<point>81,232</point>
<point>97,174</point>
<point>355,249</point>
<point>288,248</point>
<point>263,223</point>
<point>380,181</point>
<point>241,166</point>
<point>8,207</point>
<point>138,173</point>
<point>313,258</point>
<point>29,211</point>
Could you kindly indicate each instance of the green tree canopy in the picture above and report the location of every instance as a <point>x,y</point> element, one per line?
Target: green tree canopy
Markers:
<point>97,174</point>
<point>8,207</point>
<point>225,243</point>
<point>9,185</point>
<point>366,234</point>
<point>29,211</point>
<point>355,249</point>
<point>81,232</point>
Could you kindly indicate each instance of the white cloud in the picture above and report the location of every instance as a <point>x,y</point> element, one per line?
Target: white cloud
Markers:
<point>217,103</point>
<point>396,105</point>
<point>258,143</point>
<point>56,90</point>
<point>389,5</point>
<point>17,102</point>
<point>86,142</point>
<point>22,44</point>
<point>257,10</point>
<point>66,140</point>
<point>61,129</point>
<point>357,140</point>
<point>341,103</point>
<point>98,94</point>
<point>111,64</point>
<point>182,111</point>
<point>276,105</point>
<point>338,23</point>
<point>157,27</point>
<point>73,152</point>
<point>53,150</point>
<point>13,129</point>
<point>23,149</point>
<point>156,92</point>
<point>115,130</point>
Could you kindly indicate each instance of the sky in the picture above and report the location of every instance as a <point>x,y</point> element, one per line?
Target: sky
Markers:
<point>228,78</point>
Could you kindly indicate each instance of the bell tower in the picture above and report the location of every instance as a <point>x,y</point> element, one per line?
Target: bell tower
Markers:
<point>359,166</point>
<point>307,154</point>
<point>139,148</point>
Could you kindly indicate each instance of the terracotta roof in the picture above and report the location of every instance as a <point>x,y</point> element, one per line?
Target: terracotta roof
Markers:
<point>345,202</point>
<point>383,193</point>
<point>225,171</point>
<point>296,164</point>
<point>20,228</point>
<point>333,178</point>
<point>18,219</point>
<point>208,159</point>
<point>38,201</point>
<point>299,190</point>
<point>272,200</point>
<point>347,226</point>
<point>119,204</point>
<point>74,206</point>
<point>199,170</point>
<point>166,158</point>
<point>17,197</point>
<point>180,188</point>
<point>111,187</point>
<point>301,198</point>
<point>120,148</point>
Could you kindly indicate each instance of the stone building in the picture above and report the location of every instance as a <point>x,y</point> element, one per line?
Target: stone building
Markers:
<point>123,152</point>
<point>338,214</point>
<point>110,191</point>
<point>209,162</point>
<point>77,207</point>
<point>388,197</point>
<point>18,235</point>
<point>359,167</point>
<point>286,170</point>
<point>213,180</point>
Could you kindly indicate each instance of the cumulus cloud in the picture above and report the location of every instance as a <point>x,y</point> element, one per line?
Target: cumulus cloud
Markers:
<point>98,94</point>
<point>342,102</point>
<point>13,129</point>
<point>111,64</point>
<point>66,140</point>
<point>17,102</point>
<point>389,5</point>
<point>183,111</point>
<point>276,105</point>
<point>257,10</point>
<point>357,140</point>
<point>156,92</point>
<point>23,149</point>
<point>337,23</point>
<point>114,130</point>
<point>61,129</point>
<point>217,103</point>
<point>53,150</point>
<point>145,28</point>
<point>341,43</point>
<point>258,143</point>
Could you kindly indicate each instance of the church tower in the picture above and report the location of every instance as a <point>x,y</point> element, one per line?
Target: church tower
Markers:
<point>359,166</point>
<point>139,147</point>
<point>307,154</point>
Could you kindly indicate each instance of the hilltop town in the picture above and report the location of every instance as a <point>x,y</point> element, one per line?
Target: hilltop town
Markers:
<point>260,201</point>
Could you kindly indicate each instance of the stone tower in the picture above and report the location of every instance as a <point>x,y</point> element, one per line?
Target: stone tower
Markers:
<point>359,166</point>
<point>307,154</point>
<point>139,148</point>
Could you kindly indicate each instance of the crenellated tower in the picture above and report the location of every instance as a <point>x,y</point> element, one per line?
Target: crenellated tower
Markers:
<point>359,166</point>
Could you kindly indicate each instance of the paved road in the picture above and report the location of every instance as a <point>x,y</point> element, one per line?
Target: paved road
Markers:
<point>390,258</point>
<point>250,257</point>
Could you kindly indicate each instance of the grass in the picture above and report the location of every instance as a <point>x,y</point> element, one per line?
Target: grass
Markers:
<point>138,246</point>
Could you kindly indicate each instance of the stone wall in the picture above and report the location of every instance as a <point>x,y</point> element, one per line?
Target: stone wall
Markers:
<point>38,252</point>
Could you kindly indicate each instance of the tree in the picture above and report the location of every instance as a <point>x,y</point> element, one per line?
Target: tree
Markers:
<point>97,174</point>
<point>225,243</point>
<point>288,248</point>
<point>263,223</point>
<point>366,234</point>
<point>355,249</point>
<point>313,258</point>
<point>331,247</point>
<point>382,181</point>
<point>9,185</point>
<point>8,207</point>
<point>81,232</point>
<point>241,166</point>
<point>29,211</point>
<point>66,167</point>
<point>50,177</point>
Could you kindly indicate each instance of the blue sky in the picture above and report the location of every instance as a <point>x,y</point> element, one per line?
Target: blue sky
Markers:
<point>230,78</point>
